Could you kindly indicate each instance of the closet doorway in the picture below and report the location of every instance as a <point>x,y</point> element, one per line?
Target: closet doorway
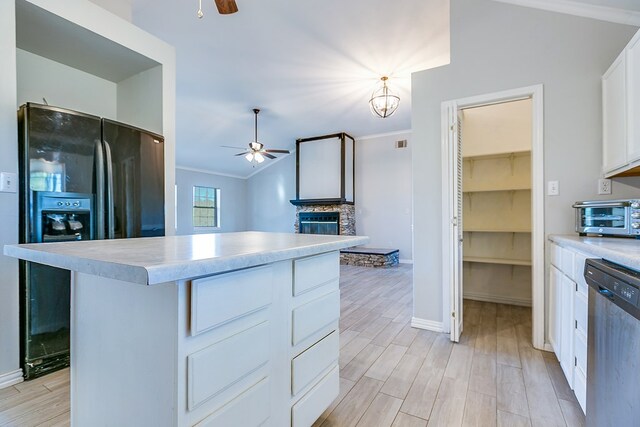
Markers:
<point>493,233</point>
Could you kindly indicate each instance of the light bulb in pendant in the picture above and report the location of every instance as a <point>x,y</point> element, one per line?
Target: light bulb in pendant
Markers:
<point>200,14</point>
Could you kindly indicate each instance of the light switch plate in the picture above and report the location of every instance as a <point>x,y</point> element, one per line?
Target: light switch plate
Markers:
<point>8,182</point>
<point>553,188</point>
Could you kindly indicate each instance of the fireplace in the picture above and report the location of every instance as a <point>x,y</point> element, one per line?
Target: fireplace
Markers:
<point>319,223</point>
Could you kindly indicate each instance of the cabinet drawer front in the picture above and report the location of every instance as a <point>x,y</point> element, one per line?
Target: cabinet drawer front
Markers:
<point>580,351</point>
<point>312,405</point>
<point>567,262</point>
<point>313,316</point>
<point>580,310</point>
<point>249,409</point>
<point>312,362</point>
<point>556,255</point>
<point>219,299</point>
<point>311,272</point>
<point>215,368</point>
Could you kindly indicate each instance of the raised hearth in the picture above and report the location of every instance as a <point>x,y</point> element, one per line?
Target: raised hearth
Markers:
<point>370,257</point>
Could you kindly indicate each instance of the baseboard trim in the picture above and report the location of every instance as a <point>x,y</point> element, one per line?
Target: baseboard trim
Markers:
<point>405,261</point>
<point>547,347</point>
<point>497,299</point>
<point>11,378</point>
<point>428,325</point>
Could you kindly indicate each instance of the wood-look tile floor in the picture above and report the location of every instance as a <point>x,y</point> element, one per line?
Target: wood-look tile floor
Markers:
<point>394,375</point>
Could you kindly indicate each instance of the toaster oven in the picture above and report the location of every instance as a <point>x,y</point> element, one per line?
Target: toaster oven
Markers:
<point>608,218</point>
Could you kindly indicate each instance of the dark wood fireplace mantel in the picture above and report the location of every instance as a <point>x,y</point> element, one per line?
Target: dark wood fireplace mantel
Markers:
<point>309,202</point>
<point>345,194</point>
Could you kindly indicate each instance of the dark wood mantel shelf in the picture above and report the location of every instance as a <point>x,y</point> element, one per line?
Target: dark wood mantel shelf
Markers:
<point>307,202</point>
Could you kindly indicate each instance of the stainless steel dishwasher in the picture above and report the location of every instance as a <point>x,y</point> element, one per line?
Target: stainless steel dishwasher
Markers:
<point>613,361</point>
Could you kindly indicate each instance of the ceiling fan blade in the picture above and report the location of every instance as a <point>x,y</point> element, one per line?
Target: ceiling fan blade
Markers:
<point>267,155</point>
<point>277,151</point>
<point>235,148</point>
<point>244,153</point>
<point>226,7</point>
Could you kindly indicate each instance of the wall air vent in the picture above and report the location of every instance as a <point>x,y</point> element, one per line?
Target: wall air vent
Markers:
<point>401,144</point>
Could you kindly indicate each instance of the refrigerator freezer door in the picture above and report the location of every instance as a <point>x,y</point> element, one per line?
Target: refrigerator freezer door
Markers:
<point>136,181</point>
<point>57,157</point>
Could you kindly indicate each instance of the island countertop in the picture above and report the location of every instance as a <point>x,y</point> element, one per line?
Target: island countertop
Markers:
<point>154,260</point>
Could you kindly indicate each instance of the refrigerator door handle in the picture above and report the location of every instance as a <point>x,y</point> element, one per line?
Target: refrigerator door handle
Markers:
<point>110,207</point>
<point>99,207</point>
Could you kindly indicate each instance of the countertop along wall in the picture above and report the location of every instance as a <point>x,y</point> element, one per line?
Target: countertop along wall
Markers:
<point>495,47</point>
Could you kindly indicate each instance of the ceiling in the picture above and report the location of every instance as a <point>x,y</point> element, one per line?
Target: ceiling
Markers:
<point>618,4</point>
<point>309,66</point>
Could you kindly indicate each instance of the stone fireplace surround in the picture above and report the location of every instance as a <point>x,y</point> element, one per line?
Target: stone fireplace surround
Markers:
<point>347,216</point>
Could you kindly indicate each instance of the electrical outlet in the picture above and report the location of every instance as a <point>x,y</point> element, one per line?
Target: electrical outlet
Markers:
<point>553,188</point>
<point>604,186</point>
<point>8,182</point>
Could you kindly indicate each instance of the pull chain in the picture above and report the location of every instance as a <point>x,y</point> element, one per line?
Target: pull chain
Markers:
<point>200,13</point>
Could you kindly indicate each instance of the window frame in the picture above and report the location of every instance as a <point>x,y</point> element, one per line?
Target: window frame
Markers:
<point>216,207</point>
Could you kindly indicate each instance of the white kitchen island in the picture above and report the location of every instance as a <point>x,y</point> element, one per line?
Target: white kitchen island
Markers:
<point>234,329</point>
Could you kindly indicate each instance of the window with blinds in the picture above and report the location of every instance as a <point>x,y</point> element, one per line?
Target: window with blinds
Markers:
<point>206,207</point>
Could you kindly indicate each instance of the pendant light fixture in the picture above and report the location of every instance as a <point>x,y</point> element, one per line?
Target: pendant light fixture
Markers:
<point>383,102</point>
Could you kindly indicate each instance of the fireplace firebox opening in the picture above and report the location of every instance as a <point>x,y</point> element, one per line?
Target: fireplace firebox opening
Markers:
<point>319,223</point>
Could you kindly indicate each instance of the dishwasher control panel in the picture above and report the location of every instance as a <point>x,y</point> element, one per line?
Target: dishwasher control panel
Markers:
<point>625,291</point>
<point>619,284</point>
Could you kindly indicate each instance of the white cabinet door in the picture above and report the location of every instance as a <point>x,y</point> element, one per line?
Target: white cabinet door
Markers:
<point>614,142</point>
<point>555,296</point>
<point>567,322</point>
<point>633,100</point>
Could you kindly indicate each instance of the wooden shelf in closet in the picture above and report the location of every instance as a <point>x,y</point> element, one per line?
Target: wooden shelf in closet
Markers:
<point>495,230</point>
<point>491,190</point>
<point>497,261</point>
<point>504,155</point>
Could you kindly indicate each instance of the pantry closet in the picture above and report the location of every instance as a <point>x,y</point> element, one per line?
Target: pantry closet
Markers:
<point>496,186</point>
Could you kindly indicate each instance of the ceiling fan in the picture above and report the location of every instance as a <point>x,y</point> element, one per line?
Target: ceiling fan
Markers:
<point>225,7</point>
<point>256,151</point>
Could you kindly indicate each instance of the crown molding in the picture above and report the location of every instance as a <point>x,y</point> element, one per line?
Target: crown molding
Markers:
<point>571,7</point>
<point>210,172</point>
<point>381,135</point>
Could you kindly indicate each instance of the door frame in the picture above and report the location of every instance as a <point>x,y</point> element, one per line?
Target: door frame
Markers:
<point>536,94</point>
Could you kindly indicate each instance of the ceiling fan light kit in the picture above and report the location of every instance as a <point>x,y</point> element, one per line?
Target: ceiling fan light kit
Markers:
<point>225,7</point>
<point>383,102</point>
<point>256,151</point>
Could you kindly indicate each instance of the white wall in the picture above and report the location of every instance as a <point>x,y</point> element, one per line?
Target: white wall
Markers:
<point>9,344</point>
<point>233,201</point>
<point>494,47</point>
<point>383,192</point>
<point>269,192</point>
<point>498,128</point>
<point>122,8</point>
<point>64,86</point>
<point>140,102</point>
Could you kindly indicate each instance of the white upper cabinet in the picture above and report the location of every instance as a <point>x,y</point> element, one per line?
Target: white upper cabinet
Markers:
<point>633,98</point>
<point>620,109</point>
<point>614,137</point>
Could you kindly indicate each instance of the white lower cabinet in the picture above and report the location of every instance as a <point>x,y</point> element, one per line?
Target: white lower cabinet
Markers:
<point>261,345</point>
<point>567,316</point>
<point>307,410</point>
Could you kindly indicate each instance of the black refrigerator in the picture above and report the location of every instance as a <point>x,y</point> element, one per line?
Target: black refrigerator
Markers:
<point>81,178</point>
